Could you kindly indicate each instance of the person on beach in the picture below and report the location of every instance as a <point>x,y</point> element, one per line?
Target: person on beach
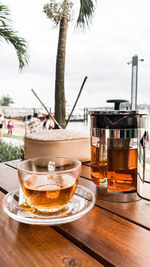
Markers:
<point>28,124</point>
<point>1,125</point>
<point>35,122</point>
<point>10,126</point>
<point>48,124</point>
<point>44,122</point>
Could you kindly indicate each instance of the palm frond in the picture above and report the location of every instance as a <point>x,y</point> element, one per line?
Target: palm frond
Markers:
<point>4,15</point>
<point>86,12</point>
<point>10,36</point>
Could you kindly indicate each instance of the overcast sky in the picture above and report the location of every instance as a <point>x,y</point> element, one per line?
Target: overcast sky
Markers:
<point>120,29</point>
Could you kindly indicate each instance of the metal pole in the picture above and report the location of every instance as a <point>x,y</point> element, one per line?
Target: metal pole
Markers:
<point>76,100</point>
<point>134,81</point>
<point>46,109</point>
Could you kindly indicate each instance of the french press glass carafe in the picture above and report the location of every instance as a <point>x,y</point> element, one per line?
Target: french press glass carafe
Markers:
<point>114,152</point>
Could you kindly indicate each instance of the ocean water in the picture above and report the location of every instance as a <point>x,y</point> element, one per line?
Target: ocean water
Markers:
<point>79,126</point>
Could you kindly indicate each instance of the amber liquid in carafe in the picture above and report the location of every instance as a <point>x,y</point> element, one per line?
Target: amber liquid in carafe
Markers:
<point>122,169</point>
<point>98,164</point>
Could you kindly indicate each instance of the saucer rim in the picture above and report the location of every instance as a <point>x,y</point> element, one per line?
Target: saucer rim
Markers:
<point>49,221</point>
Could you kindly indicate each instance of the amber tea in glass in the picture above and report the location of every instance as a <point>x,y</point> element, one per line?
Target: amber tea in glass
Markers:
<point>122,169</point>
<point>49,187</point>
<point>114,159</point>
<point>98,163</point>
<point>45,195</point>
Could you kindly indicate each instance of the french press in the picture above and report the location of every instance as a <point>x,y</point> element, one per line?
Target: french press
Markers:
<point>115,139</point>
<point>143,174</point>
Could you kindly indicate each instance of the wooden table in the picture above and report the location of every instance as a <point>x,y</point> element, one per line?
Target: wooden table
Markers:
<point>111,234</point>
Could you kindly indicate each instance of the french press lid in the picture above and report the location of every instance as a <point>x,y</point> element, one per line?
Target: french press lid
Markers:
<point>118,119</point>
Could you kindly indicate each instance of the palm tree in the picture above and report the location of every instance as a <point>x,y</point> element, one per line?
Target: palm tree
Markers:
<point>6,101</point>
<point>11,36</point>
<point>60,13</point>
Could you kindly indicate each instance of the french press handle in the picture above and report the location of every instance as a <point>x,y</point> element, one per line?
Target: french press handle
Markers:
<point>143,180</point>
<point>117,102</point>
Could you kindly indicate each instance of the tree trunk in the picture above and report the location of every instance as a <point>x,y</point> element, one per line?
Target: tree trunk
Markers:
<point>60,105</point>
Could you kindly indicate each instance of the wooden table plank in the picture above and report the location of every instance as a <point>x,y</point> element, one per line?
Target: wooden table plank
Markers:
<point>85,167</point>
<point>8,178</point>
<point>86,163</point>
<point>30,245</point>
<point>108,237</point>
<point>137,212</point>
<point>13,163</point>
<point>86,172</point>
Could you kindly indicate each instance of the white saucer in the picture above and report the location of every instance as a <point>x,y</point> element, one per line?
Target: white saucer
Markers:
<point>82,201</point>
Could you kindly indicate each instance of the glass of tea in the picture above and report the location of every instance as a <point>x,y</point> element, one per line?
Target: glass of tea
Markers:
<point>48,183</point>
